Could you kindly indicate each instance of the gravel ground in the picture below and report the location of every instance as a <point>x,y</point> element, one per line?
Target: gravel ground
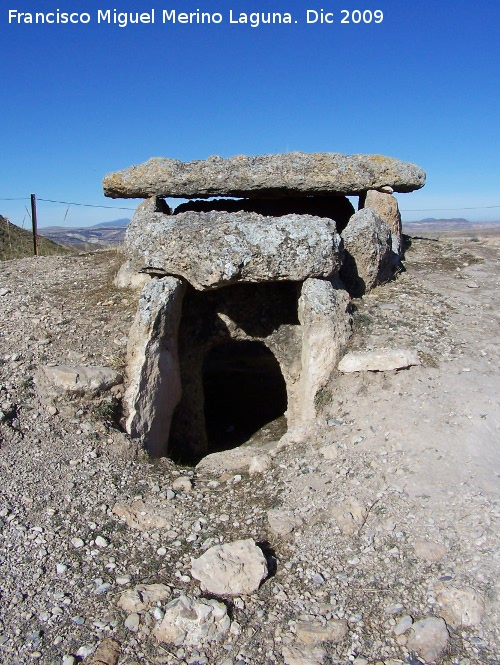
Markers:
<point>393,494</point>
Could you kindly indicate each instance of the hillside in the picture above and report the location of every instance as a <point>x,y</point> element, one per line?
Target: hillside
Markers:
<point>88,237</point>
<point>17,243</point>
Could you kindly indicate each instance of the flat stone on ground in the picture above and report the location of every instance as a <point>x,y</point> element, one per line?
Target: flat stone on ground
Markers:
<point>231,569</point>
<point>378,361</point>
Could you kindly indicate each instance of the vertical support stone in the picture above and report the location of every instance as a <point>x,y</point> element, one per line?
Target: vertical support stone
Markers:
<point>326,327</point>
<point>153,378</point>
<point>386,206</point>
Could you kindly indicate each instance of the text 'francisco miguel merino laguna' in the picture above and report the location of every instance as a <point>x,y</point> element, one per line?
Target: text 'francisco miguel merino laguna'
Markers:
<point>253,19</point>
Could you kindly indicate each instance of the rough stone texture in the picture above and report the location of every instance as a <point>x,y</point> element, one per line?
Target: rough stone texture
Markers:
<point>264,176</point>
<point>142,597</point>
<point>127,278</point>
<point>193,622</point>
<point>153,380</point>
<point>313,632</point>
<point>378,361</point>
<point>429,550</point>
<point>338,208</point>
<point>238,460</point>
<point>350,515</point>
<point>231,569</point>
<point>215,249</point>
<point>386,206</point>
<point>295,655</point>
<point>368,258</point>
<point>107,653</point>
<point>429,638</point>
<point>53,381</point>
<point>461,607</point>
<point>139,515</point>
<point>326,327</point>
<point>282,522</point>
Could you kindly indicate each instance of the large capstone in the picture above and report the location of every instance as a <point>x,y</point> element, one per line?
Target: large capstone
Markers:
<point>214,249</point>
<point>281,176</point>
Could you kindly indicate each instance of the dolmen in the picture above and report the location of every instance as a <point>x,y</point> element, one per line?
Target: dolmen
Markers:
<point>247,284</point>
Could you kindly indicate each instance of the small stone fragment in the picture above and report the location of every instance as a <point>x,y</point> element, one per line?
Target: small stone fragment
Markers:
<point>403,625</point>
<point>193,622</point>
<point>378,361</point>
<point>303,656</point>
<point>132,622</point>
<point>182,483</point>
<point>429,551</point>
<point>107,653</point>
<point>461,607</point>
<point>429,638</point>
<point>282,522</point>
<point>139,515</point>
<point>143,596</point>
<point>259,464</point>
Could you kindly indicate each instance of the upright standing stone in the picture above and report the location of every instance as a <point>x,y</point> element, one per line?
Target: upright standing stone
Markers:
<point>368,252</point>
<point>326,326</point>
<point>386,206</point>
<point>154,386</point>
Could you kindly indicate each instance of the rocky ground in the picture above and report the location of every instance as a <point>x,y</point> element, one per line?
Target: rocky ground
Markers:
<point>379,523</point>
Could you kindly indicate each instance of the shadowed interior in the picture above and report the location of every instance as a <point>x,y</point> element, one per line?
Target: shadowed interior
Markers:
<point>244,390</point>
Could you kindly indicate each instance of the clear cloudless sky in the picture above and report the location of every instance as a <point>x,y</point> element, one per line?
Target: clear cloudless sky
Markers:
<point>80,100</point>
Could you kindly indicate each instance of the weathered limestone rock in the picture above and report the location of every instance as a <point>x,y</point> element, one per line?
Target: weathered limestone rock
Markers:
<point>326,326</point>
<point>193,622</point>
<point>386,206</point>
<point>264,176</point>
<point>127,278</point>
<point>230,569</point>
<point>429,638</point>
<point>282,522</point>
<point>237,460</point>
<point>378,361</point>
<point>107,653</point>
<point>53,381</point>
<point>461,607</point>
<point>429,550</point>
<point>368,252</point>
<point>313,632</point>
<point>295,655</point>
<point>350,515</point>
<point>141,516</point>
<point>142,597</point>
<point>214,249</point>
<point>153,379</point>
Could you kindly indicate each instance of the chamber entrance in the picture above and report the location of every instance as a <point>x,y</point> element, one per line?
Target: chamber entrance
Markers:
<point>244,390</point>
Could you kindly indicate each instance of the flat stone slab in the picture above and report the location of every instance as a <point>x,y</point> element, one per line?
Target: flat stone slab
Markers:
<point>79,379</point>
<point>215,248</point>
<point>378,361</point>
<point>290,174</point>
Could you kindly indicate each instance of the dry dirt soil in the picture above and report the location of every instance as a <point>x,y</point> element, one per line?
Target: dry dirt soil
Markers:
<point>393,494</point>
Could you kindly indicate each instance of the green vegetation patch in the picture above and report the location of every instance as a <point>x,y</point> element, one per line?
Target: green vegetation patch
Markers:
<point>17,243</point>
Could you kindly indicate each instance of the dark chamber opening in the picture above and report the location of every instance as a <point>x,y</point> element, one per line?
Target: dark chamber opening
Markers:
<point>244,390</point>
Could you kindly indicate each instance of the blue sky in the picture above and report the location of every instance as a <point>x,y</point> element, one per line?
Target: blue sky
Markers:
<point>81,100</point>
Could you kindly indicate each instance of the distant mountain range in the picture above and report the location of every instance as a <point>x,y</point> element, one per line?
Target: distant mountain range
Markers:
<point>454,224</point>
<point>104,234</point>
